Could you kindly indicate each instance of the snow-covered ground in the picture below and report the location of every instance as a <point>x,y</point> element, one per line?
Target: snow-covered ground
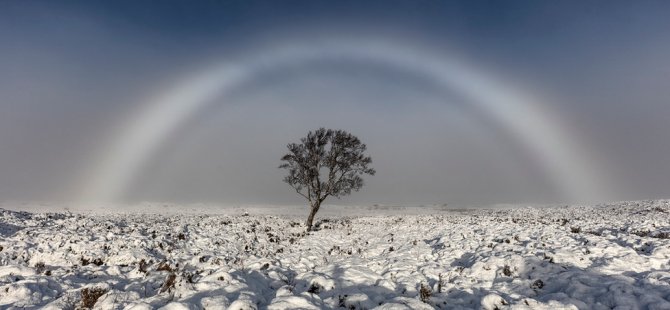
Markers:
<point>585,257</point>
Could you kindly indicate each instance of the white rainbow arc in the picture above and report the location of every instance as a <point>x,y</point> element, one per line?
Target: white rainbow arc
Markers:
<point>523,118</point>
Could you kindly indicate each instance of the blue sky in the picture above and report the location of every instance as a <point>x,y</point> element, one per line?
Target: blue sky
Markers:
<point>72,74</point>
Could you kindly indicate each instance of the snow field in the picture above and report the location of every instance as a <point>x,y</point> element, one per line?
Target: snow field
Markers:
<point>578,257</point>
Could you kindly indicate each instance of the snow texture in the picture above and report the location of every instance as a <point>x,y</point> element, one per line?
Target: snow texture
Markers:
<point>613,256</point>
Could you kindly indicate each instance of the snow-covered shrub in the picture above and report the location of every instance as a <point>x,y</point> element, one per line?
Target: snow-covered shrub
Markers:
<point>425,292</point>
<point>89,296</point>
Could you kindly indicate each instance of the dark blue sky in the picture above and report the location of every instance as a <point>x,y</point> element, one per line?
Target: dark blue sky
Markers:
<point>71,73</point>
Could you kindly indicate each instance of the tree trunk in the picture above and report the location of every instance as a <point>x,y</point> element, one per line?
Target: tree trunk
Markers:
<point>312,213</point>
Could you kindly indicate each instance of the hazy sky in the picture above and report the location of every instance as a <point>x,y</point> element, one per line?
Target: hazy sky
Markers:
<point>80,81</point>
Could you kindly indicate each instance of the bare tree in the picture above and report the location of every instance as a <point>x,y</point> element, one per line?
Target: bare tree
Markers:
<point>326,163</point>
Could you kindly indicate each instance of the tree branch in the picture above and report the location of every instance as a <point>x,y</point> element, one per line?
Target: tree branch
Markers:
<point>301,194</point>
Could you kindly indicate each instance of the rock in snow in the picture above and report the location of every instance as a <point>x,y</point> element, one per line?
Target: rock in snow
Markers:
<point>576,257</point>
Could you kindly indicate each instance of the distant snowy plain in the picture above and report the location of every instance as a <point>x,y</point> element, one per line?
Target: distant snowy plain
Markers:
<point>614,256</point>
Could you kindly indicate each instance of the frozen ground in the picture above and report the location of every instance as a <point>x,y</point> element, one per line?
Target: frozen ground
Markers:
<point>585,257</point>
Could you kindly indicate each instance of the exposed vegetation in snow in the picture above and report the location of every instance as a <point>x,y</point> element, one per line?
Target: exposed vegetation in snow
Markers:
<point>586,257</point>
